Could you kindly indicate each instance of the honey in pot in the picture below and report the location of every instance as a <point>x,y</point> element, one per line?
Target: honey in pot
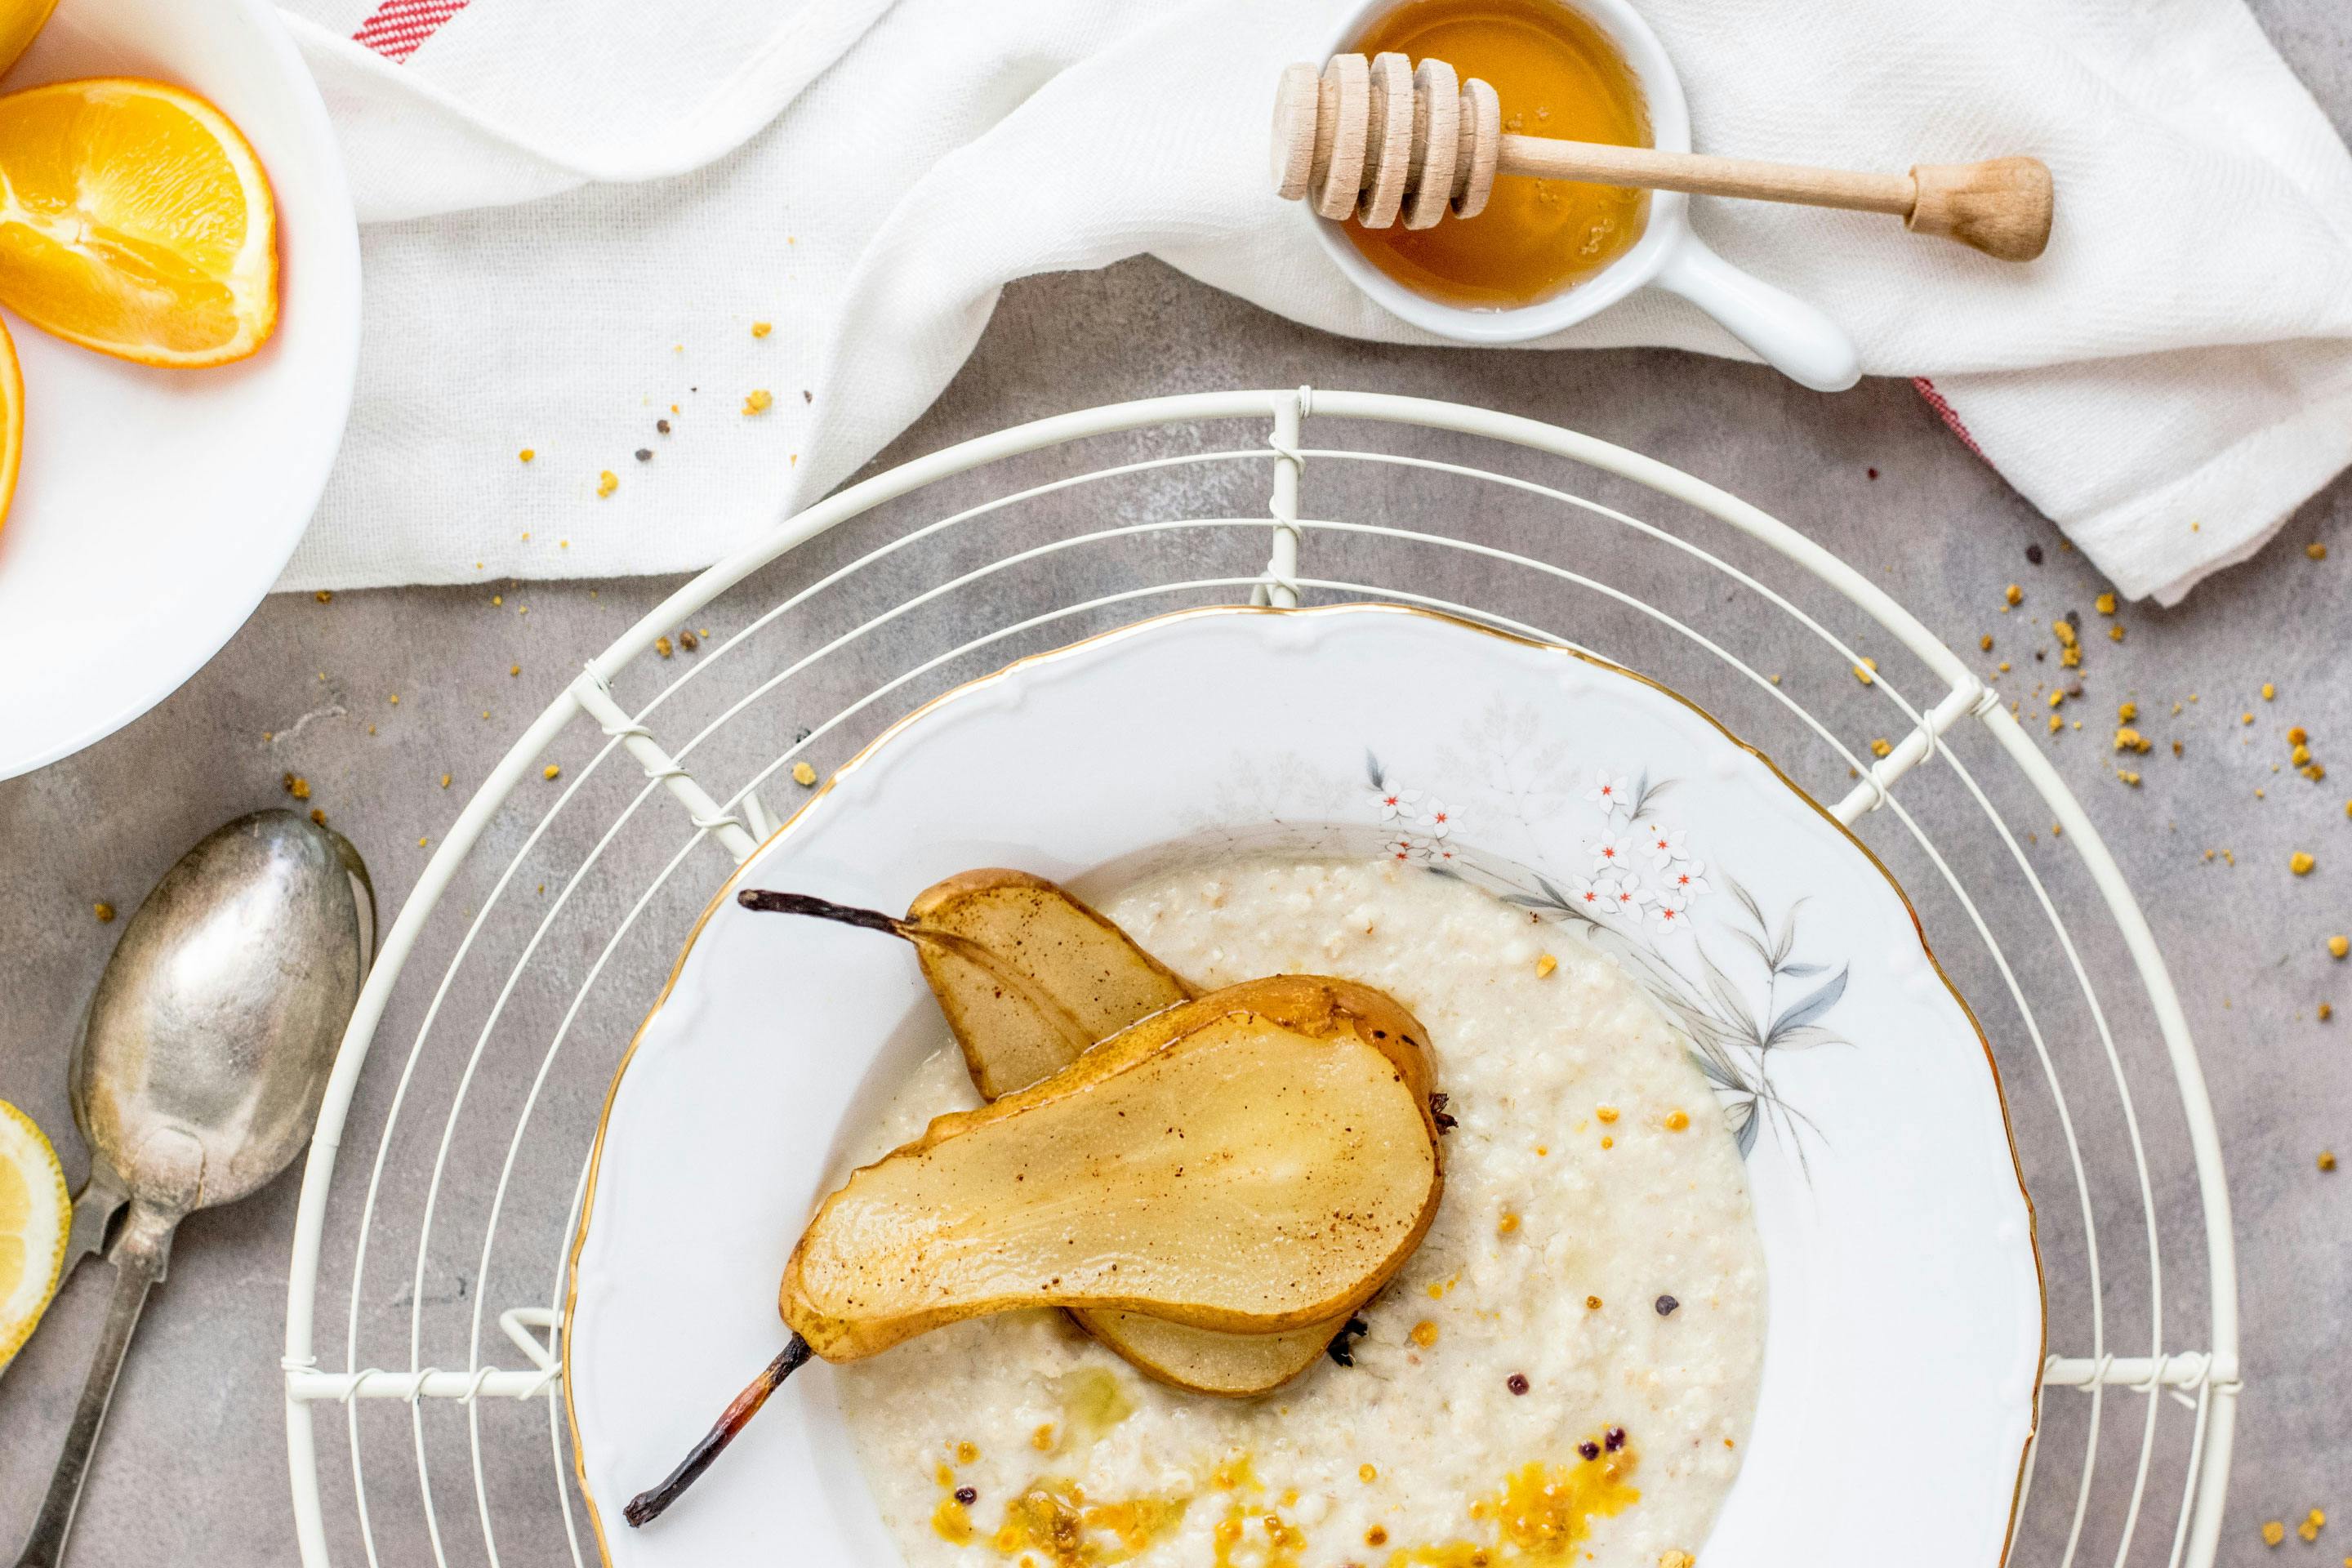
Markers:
<point>1557,75</point>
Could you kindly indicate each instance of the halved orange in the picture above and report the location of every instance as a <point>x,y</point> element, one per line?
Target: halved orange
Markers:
<point>135,220</point>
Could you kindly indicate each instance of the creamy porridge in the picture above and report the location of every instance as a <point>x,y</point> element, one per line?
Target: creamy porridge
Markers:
<point>1565,1370</point>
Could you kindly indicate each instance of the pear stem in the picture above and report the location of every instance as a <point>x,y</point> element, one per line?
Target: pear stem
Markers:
<point>651,1503</point>
<point>775,903</point>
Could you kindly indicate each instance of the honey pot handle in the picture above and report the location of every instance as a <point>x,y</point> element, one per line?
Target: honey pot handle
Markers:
<point>1794,338</point>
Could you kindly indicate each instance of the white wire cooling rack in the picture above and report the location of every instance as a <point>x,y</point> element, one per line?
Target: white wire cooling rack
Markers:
<point>442,1191</point>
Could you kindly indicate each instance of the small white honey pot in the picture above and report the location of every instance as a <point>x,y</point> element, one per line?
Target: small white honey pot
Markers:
<point>1389,142</point>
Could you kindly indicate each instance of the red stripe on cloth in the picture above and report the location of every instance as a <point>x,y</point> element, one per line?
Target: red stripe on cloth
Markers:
<point>398,26</point>
<point>1944,412</point>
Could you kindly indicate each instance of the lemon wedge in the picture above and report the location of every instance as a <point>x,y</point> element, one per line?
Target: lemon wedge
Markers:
<point>36,1212</point>
<point>135,220</point>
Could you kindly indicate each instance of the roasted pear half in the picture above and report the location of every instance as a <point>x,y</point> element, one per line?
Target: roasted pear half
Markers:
<point>1254,1160</point>
<point>1030,976</point>
<point>1052,976</point>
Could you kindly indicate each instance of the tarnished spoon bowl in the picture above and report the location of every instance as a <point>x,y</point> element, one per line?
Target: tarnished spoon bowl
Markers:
<point>217,1018</point>
<point>199,1075</point>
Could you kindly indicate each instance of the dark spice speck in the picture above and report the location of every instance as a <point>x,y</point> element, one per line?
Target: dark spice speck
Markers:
<point>1517,1383</point>
<point>1613,1439</point>
<point>1666,1305</point>
<point>645,454</point>
<point>966,1496</point>
<point>662,426</point>
<point>2033,554</point>
<point>1872,472</point>
<point>1588,1449</point>
<point>1342,1348</point>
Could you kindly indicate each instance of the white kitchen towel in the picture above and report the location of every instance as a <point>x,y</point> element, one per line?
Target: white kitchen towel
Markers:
<point>580,215</point>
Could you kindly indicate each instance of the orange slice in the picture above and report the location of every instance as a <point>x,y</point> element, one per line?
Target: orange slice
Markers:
<point>19,21</point>
<point>12,420</point>
<point>135,220</point>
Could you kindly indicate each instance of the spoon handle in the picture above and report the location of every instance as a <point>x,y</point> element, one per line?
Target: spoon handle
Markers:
<point>139,1259</point>
<point>94,1208</point>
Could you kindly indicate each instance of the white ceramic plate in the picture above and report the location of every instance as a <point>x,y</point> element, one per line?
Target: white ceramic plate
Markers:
<point>1905,1336</point>
<point>156,507</point>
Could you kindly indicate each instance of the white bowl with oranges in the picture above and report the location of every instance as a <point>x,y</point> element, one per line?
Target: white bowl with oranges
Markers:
<point>179,279</point>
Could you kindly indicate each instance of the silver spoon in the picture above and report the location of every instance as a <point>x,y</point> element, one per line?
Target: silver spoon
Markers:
<point>199,1075</point>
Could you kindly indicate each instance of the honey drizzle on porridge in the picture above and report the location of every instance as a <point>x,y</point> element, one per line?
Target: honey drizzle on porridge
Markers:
<point>1541,1515</point>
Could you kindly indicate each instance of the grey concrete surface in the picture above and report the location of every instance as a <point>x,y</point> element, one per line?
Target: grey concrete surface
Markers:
<point>193,1468</point>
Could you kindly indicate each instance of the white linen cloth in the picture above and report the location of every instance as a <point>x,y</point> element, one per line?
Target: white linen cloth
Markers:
<point>575,210</point>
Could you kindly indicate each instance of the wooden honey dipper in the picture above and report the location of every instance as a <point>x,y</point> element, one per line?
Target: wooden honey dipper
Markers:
<point>1382,138</point>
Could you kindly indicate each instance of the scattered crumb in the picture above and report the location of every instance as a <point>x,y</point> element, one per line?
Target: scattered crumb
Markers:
<point>318,816</point>
<point>2300,863</point>
<point>804,775</point>
<point>2326,1011</point>
<point>2128,777</point>
<point>687,640</point>
<point>2326,1156</point>
<point>1866,671</point>
<point>2313,1522</point>
<point>2116,632</point>
<point>2269,691</point>
<point>323,595</point>
<point>2105,603</point>
<point>662,646</point>
<point>1605,1112</point>
<point>298,787</point>
<point>1676,1560</point>
<point>1424,1335</point>
<point>2273,1532</point>
<point>104,911</point>
<point>1503,1226</point>
<point>2130,740</point>
<point>761,329</point>
<point>444,781</point>
<point>1678,1120</point>
<point>759,402</point>
<point>606,483</point>
<point>396,700</point>
<point>551,770</point>
<point>2014,593</point>
<point>513,669</point>
<point>526,454</point>
<point>1545,966</point>
<point>2338,946</point>
<point>2127,712</point>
